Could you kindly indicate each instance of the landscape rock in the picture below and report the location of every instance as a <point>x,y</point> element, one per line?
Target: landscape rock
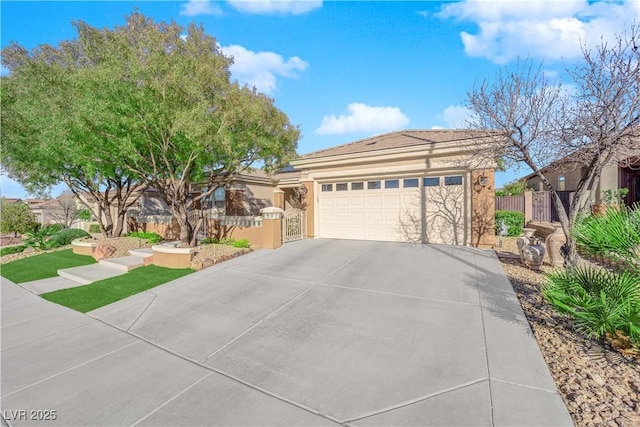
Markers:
<point>103,251</point>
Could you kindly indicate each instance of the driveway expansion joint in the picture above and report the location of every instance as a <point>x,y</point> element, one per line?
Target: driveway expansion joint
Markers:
<point>414,401</point>
<point>545,390</point>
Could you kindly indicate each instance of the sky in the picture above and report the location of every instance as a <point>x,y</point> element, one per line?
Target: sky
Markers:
<point>347,70</point>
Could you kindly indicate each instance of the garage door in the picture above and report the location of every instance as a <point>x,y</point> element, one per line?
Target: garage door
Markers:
<point>407,209</point>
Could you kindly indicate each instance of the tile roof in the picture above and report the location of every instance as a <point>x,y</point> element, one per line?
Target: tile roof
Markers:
<point>399,139</point>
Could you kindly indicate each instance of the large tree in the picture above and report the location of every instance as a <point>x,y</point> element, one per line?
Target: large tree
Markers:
<point>156,106</point>
<point>48,117</point>
<point>591,122</point>
<point>185,122</point>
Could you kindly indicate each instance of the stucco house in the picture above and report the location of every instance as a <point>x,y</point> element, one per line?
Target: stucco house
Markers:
<point>565,174</point>
<point>415,185</point>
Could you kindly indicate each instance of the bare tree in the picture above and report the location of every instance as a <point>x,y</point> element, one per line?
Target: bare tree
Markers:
<point>591,122</point>
<point>64,209</point>
<point>297,199</point>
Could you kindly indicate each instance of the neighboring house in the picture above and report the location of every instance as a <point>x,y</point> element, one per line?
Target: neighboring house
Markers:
<point>414,185</point>
<point>63,209</point>
<point>565,174</point>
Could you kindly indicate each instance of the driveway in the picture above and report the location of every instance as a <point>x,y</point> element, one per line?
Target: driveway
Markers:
<point>319,332</point>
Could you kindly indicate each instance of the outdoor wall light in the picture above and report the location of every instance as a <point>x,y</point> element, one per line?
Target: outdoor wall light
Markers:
<point>483,181</point>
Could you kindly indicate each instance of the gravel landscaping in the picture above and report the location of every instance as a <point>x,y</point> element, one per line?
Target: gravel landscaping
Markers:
<point>599,385</point>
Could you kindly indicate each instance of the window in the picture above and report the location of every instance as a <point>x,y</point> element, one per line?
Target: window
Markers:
<point>431,182</point>
<point>327,187</point>
<point>357,185</point>
<point>341,187</point>
<point>410,183</point>
<point>373,185</point>
<point>219,198</point>
<point>453,180</point>
<point>392,183</point>
<point>561,184</point>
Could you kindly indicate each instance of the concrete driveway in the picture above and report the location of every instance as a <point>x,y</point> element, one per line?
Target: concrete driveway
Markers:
<point>319,332</point>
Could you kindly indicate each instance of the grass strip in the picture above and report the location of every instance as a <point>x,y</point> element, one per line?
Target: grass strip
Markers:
<point>103,292</point>
<point>42,266</point>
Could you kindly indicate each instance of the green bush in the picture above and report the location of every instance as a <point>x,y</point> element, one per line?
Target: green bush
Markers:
<point>210,240</point>
<point>227,241</point>
<point>12,250</point>
<point>149,237</point>
<point>84,215</point>
<point>600,301</point>
<point>54,228</point>
<point>94,228</point>
<point>38,238</point>
<point>615,234</point>
<point>514,220</point>
<point>242,243</point>
<point>65,237</point>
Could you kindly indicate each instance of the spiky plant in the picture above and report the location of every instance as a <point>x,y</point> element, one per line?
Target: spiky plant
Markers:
<point>614,235</point>
<point>599,300</point>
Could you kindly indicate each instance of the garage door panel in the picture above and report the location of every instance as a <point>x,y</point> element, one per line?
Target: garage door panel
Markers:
<point>395,214</point>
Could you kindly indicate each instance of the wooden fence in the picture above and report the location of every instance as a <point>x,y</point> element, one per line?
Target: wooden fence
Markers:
<point>542,205</point>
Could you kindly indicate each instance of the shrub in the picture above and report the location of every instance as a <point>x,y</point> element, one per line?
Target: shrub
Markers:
<point>65,237</point>
<point>94,228</point>
<point>227,241</point>
<point>54,228</point>
<point>84,215</point>
<point>210,240</point>
<point>242,243</point>
<point>12,250</point>
<point>38,238</point>
<point>514,220</point>
<point>615,234</point>
<point>601,301</point>
<point>149,237</point>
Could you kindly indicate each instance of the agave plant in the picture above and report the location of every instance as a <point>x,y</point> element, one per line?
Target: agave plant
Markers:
<point>37,238</point>
<point>599,300</point>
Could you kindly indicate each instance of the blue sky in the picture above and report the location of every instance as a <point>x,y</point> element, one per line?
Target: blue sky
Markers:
<point>345,70</point>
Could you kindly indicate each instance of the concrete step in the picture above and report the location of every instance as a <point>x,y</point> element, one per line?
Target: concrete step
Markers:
<point>141,252</point>
<point>51,284</point>
<point>89,273</point>
<point>125,263</point>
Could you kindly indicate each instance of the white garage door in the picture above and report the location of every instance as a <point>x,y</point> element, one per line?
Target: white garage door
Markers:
<point>392,210</point>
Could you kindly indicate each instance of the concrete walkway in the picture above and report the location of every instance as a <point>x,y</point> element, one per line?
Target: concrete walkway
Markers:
<point>320,332</point>
<point>87,274</point>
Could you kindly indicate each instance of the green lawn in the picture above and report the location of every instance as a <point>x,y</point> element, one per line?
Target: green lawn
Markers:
<point>42,266</point>
<point>98,294</point>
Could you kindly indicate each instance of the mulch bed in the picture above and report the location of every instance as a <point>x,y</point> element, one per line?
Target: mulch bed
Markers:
<point>600,385</point>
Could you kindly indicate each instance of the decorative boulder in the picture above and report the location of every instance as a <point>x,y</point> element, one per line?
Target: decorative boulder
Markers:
<point>103,251</point>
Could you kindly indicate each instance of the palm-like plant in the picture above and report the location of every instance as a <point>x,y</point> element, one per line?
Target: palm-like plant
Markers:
<point>37,238</point>
<point>614,235</point>
<point>601,301</point>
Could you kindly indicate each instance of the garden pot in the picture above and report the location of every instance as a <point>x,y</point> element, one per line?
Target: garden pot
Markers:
<point>554,243</point>
<point>534,254</point>
<point>598,209</point>
<point>524,240</point>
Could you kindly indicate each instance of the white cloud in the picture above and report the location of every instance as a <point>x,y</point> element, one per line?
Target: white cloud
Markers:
<point>545,29</point>
<point>363,118</point>
<point>283,7</point>
<point>456,117</point>
<point>260,69</point>
<point>199,7</point>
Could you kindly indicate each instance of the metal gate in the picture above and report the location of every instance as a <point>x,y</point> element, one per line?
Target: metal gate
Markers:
<point>294,225</point>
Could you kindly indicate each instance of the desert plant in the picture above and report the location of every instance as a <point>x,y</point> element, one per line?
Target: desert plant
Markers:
<point>85,215</point>
<point>149,237</point>
<point>614,234</point>
<point>65,237</point>
<point>210,240</point>
<point>94,228</point>
<point>514,220</point>
<point>599,300</point>
<point>16,217</point>
<point>242,243</point>
<point>38,238</point>
<point>227,241</point>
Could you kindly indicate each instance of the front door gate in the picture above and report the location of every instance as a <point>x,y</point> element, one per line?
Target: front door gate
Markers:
<point>293,225</point>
